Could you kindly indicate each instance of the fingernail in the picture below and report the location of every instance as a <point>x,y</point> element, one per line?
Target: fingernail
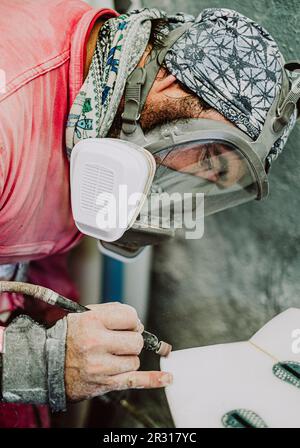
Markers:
<point>140,327</point>
<point>166,379</point>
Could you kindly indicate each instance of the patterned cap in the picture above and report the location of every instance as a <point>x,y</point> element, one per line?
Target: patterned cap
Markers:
<point>233,64</point>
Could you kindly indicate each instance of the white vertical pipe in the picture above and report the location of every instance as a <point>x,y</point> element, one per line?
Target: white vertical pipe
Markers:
<point>137,283</point>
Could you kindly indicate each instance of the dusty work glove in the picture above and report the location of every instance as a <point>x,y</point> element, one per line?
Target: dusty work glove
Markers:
<point>33,363</point>
<point>102,353</point>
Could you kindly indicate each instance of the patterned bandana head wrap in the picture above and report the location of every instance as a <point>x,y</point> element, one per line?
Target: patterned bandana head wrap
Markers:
<point>225,58</point>
<point>234,65</point>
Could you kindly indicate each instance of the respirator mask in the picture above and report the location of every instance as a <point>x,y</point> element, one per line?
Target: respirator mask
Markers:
<point>133,191</point>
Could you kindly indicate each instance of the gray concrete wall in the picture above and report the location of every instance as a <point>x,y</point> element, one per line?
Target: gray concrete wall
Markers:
<point>246,268</point>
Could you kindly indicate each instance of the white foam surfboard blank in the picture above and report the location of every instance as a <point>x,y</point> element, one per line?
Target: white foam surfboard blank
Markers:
<point>278,336</point>
<point>211,381</point>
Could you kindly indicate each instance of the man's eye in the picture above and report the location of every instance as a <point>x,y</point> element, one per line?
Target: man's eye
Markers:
<point>206,161</point>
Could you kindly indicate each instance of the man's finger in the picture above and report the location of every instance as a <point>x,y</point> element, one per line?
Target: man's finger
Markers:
<point>117,316</point>
<point>115,365</point>
<point>124,342</point>
<point>142,380</point>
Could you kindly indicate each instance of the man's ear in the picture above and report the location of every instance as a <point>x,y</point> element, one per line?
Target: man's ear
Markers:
<point>167,85</point>
<point>163,83</point>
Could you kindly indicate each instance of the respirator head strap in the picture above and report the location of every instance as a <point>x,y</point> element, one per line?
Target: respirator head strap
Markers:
<point>291,101</point>
<point>280,113</point>
<point>131,113</point>
<point>141,80</point>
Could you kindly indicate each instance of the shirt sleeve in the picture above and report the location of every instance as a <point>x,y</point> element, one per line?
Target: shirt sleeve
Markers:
<point>33,362</point>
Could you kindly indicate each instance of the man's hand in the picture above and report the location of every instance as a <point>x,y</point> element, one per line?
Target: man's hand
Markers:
<point>102,353</point>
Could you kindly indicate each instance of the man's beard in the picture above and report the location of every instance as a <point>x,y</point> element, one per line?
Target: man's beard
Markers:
<point>167,110</point>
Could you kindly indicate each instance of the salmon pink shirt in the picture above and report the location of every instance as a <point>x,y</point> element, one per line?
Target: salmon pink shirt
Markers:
<point>42,56</point>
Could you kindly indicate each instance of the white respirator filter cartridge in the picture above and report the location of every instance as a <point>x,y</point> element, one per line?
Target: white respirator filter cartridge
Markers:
<point>110,180</point>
